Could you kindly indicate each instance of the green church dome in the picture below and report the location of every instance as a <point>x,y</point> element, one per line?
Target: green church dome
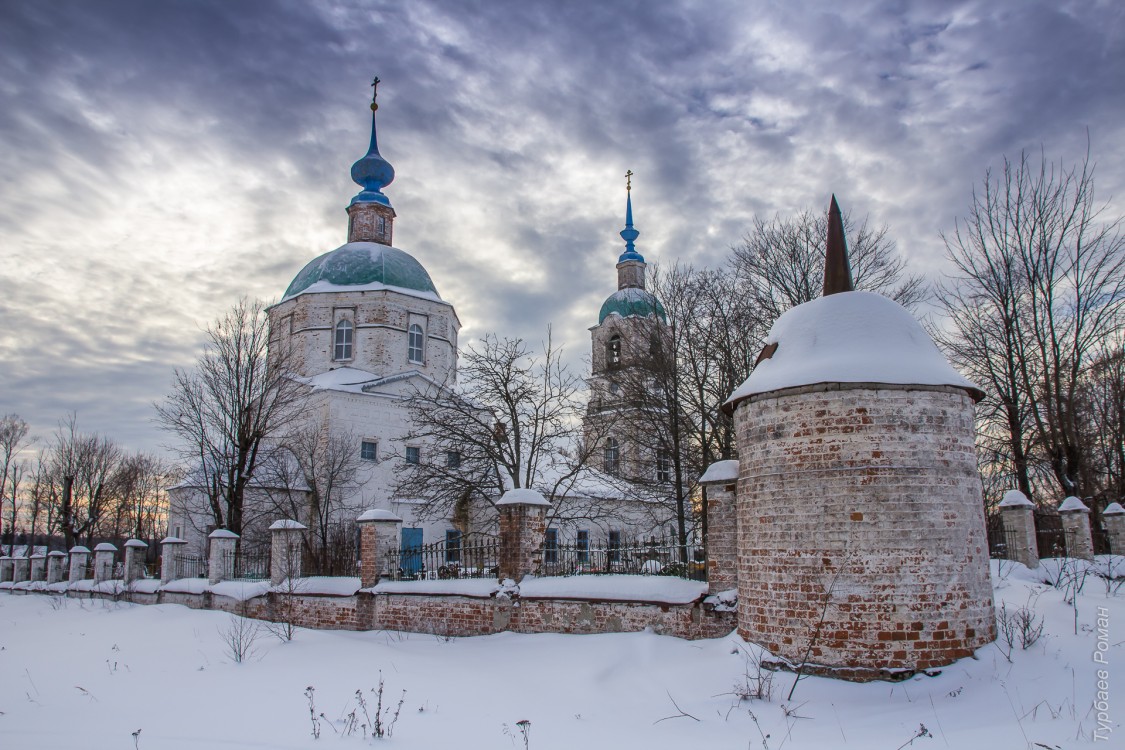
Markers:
<point>632,301</point>
<point>364,266</point>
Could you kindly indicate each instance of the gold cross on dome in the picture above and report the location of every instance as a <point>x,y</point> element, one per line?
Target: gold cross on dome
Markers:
<point>629,181</point>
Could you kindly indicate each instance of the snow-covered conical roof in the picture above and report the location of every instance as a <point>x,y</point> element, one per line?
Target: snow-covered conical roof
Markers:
<point>850,337</point>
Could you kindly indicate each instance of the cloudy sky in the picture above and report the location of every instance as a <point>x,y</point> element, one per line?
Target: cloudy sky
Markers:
<point>160,159</point>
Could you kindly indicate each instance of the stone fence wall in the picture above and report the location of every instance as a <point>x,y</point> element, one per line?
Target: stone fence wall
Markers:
<point>1020,540</point>
<point>446,608</point>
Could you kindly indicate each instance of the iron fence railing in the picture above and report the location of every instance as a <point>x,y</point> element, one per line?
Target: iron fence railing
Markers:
<point>253,565</point>
<point>1002,543</point>
<point>467,556</point>
<point>191,566</point>
<point>646,556</point>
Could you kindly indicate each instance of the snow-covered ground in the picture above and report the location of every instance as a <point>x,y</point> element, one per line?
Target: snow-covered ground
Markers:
<point>88,674</point>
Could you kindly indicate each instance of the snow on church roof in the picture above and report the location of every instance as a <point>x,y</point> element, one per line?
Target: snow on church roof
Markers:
<point>364,266</point>
<point>850,337</point>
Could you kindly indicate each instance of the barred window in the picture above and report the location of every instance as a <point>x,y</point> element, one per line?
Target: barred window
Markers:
<point>551,546</point>
<point>582,545</point>
<point>343,340</point>
<point>613,352</point>
<point>663,465</point>
<point>612,456</point>
<point>452,546</point>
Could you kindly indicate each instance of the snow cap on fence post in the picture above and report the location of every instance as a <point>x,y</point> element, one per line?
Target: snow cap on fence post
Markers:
<point>170,547</point>
<point>1017,519</point>
<point>220,563</point>
<point>78,557</point>
<point>523,525</point>
<point>56,566</point>
<point>38,568</point>
<point>103,562</point>
<point>1075,518</point>
<point>286,543</point>
<point>135,551</point>
<point>1113,517</point>
<point>379,534</point>
<point>719,482</point>
<point>7,566</point>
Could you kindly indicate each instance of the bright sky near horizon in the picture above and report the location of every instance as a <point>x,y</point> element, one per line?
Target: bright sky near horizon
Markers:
<point>158,160</point>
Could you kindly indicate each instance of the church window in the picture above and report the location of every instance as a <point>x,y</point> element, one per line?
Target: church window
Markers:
<point>343,340</point>
<point>663,465</point>
<point>612,455</point>
<point>613,352</point>
<point>382,223</point>
<point>614,388</point>
<point>369,450</point>
<point>414,353</point>
<point>452,546</point>
<point>413,454</point>
<point>551,547</point>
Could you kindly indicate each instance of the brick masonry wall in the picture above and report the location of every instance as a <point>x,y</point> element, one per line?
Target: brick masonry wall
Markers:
<point>863,505</point>
<point>722,539</point>
<point>458,615</point>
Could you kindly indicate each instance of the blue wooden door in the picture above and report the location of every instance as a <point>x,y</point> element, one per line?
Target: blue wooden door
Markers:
<point>411,552</point>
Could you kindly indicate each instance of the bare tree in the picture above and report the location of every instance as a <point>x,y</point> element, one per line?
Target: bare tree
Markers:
<point>1039,290</point>
<point>13,438</point>
<point>226,411</point>
<point>15,477</point>
<point>140,502</point>
<point>314,478</point>
<point>513,420</point>
<point>780,264</point>
<point>84,466</point>
<point>1103,422</point>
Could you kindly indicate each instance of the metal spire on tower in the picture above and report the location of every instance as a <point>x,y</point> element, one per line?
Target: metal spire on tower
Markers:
<point>837,268</point>
<point>629,234</point>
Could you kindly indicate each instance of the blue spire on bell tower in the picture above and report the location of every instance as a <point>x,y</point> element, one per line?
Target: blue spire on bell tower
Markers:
<point>629,234</point>
<point>373,172</point>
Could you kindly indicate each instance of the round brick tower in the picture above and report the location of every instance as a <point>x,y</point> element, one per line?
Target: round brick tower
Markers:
<point>862,547</point>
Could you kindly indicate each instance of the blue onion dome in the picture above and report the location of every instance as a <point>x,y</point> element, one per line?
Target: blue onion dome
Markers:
<point>632,301</point>
<point>364,266</point>
<point>372,172</point>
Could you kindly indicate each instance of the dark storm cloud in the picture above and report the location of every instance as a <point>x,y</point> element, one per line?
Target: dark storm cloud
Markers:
<point>158,160</point>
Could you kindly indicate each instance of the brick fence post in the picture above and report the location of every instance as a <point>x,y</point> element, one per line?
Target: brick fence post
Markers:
<point>79,556</point>
<point>170,548</point>
<point>7,566</point>
<point>21,569</point>
<point>1017,518</point>
<point>220,563</point>
<point>379,534</point>
<point>56,566</point>
<point>1076,526</point>
<point>38,568</point>
<point>719,482</point>
<point>103,562</point>
<point>523,524</point>
<point>135,551</point>
<point>287,541</point>
<point>1114,519</point>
